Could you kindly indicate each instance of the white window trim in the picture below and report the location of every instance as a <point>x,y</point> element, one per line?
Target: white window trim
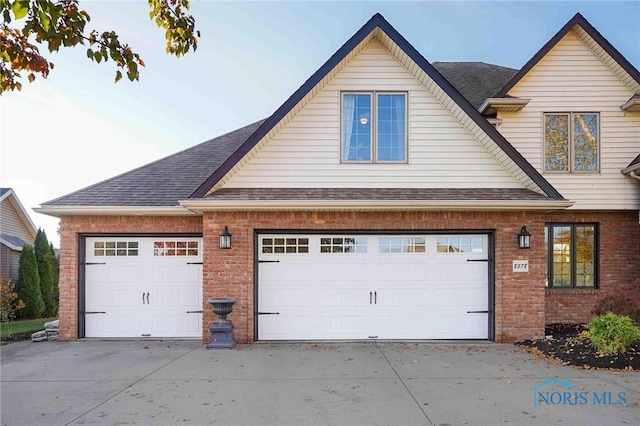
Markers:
<point>571,169</point>
<point>373,147</point>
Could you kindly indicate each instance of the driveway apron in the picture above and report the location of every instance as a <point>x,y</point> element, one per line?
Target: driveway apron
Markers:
<point>356,383</point>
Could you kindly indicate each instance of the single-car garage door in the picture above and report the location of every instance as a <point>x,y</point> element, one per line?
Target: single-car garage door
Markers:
<point>143,287</point>
<point>373,286</point>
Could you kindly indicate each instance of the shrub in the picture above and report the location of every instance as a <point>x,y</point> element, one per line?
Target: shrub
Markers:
<point>56,279</point>
<point>45,262</point>
<point>612,333</point>
<point>29,284</point>
<point>621,303</point>
<point>9,301</point>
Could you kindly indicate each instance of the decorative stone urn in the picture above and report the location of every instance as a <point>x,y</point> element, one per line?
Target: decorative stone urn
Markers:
<point>221,329</point>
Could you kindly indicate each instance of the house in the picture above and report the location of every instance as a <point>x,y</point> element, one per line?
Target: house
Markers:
<point>16,231</point>
<point>385,199</point>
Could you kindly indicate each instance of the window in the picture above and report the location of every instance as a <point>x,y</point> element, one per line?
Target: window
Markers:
<point>460,245</point>
<point>571,255</point>
<point>285,245</point>
<point>115,248</point>
<point>571,142</point>
<point>175,248</point>
<point>374,125</point>
<point>343,245</point>
<point>401,245</point>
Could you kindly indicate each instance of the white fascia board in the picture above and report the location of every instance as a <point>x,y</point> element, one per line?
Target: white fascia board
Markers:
<point>26,219</point>
<point>11,246</point>
<point>374,205</point>
<point>632,105</point>
<point>57,211</point>
<point>504,104</point>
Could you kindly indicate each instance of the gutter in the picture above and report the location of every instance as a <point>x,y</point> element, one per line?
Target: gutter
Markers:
<point>57,211</point>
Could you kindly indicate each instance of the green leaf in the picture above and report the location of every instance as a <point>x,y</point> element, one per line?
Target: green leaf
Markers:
<point>118,76</point>
<point>90,53</point>
<point>97,57</point>
<point>20,8</point>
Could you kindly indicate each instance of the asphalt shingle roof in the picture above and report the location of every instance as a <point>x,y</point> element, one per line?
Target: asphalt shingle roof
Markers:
<point>375,194</point>
<point>165,181</point>
<point>13,240</point>
<point>634,162</point>
<point>476,81</point>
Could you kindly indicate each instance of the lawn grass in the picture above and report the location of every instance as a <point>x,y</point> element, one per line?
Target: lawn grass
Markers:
<point>13,327</point>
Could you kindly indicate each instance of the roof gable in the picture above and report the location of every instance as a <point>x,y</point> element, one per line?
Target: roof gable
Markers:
<point>599,45</point>
<point>7,195</point>
<point>378,28</point>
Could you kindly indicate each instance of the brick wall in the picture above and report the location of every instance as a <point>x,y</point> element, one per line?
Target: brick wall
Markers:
<point>522,306</point>
<point>619,253</point>
<point>519,302</point>
<point>72,226</point>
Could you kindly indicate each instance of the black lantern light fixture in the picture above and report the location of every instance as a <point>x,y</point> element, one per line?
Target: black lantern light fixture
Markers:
<point>524,238</point>
<point>225,239</point>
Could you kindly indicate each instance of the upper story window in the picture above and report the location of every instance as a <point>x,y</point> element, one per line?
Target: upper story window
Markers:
<point>571,142</point>
<point>374,127</point>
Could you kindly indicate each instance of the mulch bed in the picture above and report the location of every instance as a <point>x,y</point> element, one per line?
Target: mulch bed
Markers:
<point>563,345</point>
<point>16,337</point>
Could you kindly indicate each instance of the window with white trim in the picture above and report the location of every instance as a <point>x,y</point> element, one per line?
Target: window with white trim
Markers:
<point>374,127</point>
<point>285,245</point>
<point>343,245</point>
<point>401,245</point>
<point>115,248</point>
<point>460,245</point>
<point>175,248</point>
<point>571,142</point>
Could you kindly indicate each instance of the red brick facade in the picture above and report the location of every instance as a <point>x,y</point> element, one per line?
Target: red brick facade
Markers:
<point>520,301</point>
<point>619,266</point>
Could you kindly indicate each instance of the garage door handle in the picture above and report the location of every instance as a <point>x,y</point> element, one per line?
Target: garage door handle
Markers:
<point>375,297</point>
<point>95,263</point>
<point>93,312</point>
<point>477,260</point>
<point>194,312</point>
<point>370,296</point>
<point>268,313</point>
<point>147,298</point>
<point>143,302</point>
<point>194,263</point>
<point>477,312</point>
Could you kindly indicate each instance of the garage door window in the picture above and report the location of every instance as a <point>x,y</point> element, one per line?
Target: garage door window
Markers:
<point>115,248</point>
<point>285,245</point>
<point>401,245</point>
<point>343,245</point>
<point>460,245</point>
<point>175,248</point>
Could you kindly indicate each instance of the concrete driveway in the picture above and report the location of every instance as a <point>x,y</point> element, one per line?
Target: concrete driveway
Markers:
<point>370,383</point>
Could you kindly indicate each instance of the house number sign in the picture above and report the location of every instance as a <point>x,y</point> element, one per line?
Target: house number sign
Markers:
<point>520,266</point>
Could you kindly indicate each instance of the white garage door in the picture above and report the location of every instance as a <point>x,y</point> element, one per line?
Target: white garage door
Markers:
<point>143,287</point>
<point>373,286</point>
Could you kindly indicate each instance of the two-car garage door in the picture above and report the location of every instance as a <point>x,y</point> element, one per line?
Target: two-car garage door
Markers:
<point>143,287</point>
<point>373,286</point>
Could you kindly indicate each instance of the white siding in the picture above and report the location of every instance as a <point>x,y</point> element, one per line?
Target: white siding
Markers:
<point>570,78</point>
<point>306,151</point>
<point>12,223</point>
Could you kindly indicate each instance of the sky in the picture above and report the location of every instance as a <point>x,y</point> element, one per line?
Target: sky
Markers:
<point>77,127</point>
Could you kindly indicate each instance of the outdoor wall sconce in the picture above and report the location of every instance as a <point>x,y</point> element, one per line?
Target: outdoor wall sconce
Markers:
<point>225,239</point>
<point>524,238</point>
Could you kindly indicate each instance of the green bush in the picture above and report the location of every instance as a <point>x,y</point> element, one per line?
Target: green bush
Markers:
<point>28,284</point>
<point>612,333</point>
<point>46,260</point>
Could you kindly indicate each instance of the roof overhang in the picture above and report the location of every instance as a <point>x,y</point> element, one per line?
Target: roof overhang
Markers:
<point>10,244</point>
<point>58,211</point>
<point>22,212</point>
<point>203,205</point>
<point>493,105</point>
<point>632,105</point>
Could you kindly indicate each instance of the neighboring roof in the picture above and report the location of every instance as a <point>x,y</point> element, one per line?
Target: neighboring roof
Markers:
<point>13,242</point>
<point>8,193</point>
<point>163,182</point>
<point>633,166</point>
<point>378,22</point>
<point>476,81</point>
<point>603,43</point>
